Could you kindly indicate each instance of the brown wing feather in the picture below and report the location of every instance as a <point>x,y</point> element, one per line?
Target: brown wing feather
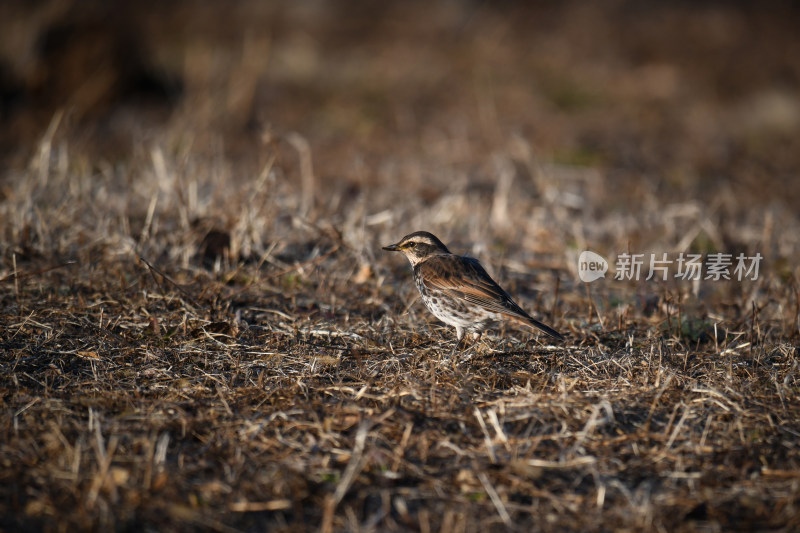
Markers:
<point>465,278</point>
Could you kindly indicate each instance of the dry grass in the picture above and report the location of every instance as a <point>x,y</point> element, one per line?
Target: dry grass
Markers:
<point>203,333</point>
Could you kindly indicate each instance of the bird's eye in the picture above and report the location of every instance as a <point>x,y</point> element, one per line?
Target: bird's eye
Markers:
<point>412,244</point>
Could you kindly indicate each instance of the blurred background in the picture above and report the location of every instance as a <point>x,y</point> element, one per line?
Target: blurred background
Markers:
<point>547,127</point>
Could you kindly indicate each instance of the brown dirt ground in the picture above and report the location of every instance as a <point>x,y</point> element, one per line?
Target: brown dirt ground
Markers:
<point>199,330</point>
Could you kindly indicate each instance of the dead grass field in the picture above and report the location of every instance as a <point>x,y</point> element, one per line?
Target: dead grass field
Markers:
<point>199,330</point>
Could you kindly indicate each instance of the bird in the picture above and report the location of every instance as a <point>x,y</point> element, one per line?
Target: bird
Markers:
<point>458,290</point>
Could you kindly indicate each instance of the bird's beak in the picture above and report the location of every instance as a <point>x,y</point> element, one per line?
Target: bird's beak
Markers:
<point>392,248</point>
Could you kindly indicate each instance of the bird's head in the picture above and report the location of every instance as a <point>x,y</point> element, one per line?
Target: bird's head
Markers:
<point>419,246</point>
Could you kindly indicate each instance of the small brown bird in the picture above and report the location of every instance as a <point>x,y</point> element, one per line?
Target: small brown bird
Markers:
<point>457,289</point>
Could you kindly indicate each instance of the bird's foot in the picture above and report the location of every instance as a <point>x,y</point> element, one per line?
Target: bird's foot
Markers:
<point>466,356</point>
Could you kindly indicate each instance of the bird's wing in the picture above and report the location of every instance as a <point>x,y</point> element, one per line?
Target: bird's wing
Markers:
<point>464,277</point>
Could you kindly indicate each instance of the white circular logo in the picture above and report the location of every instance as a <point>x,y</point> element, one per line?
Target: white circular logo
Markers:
<point>591,266</point>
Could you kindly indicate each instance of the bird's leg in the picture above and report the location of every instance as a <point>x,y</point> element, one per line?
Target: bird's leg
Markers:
<point>472,349</point>
<point>459,335</point>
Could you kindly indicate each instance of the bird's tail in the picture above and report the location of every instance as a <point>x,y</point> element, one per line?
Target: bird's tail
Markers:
<point>544,327</point>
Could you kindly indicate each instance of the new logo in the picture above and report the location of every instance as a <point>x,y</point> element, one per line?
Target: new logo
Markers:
<point>591,266</point>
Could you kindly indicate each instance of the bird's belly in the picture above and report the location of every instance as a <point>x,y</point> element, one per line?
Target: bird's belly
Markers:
<point>459,314</point>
